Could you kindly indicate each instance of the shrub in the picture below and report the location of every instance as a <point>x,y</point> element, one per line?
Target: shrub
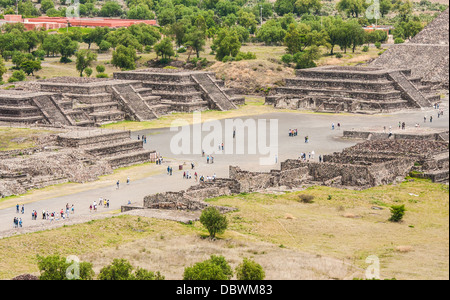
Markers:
<point>214,221</point>
<point>365,49</point>
<point>121,269</point>
<point>338,55</point>
<point>250,270</point>
<point>100,68</point>
<point>287,59</point>
<point>215,268</point>
<point>54,267</point>
<point>245,56</point>
<point>378,45</point>
<point>17,76</point>
<point>397,213</point>
<point>88,72</point>
<point>399,41</point>
<point>102,75</point>
<point>305,198</point>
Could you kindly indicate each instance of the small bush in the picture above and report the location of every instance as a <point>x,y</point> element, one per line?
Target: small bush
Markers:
<point>378,45</point>
<point>399,41</point>
<point>250,270</point>
<point>245,56</point>
<point>215,268</point>
<point>102,75</point>
<point>365,49</point>
<point>339,55</point>
<point>287,59</point>
<point>305,198</point>
<point>397,213</point>
<point>100,69</point>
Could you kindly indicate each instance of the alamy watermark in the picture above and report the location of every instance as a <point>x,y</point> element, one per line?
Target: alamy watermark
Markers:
<point>73,10</point>
<point>228,137</point>
<point>373,10</point>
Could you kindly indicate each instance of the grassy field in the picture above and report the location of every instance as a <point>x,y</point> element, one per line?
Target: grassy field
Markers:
<point>288,238</point>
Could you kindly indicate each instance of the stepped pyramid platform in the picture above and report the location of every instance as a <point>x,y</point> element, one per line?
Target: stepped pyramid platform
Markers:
<point>426,54</point>
<point>182,90</point>
<point>135,95</point>
<point>353,89</point>
<point>114,147</point>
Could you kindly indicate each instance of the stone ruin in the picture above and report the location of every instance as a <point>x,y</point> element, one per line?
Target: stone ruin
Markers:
<point>74,156</point>
<point>426,54</point>
<point>134,95</point>
<point>367,164</point>
<point>405,76</point>
<point>353,89</point>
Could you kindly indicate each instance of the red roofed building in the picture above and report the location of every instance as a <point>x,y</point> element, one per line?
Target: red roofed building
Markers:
<point>60,22</point>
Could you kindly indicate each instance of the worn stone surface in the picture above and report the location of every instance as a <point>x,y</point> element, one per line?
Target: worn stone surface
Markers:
<point>353,89</point>
<point>427,54</point>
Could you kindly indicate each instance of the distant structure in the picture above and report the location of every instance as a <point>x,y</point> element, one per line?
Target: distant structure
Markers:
<point>406,76</point>
<point>133,95</point>
<point>63,22</point>
<point>353,89</point>
<point>427,54</point>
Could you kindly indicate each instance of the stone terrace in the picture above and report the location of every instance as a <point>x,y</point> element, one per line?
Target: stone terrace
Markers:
<point>427,54</point>
<point>135,95</point>
<point>353,89</point>
<point>114,147</point>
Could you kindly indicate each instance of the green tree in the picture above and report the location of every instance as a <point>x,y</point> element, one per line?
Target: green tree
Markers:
<point>3,69</point>
<point>51,44</point>
<point>404,9</point>
<point>353,8</point>
<point>214,221</point>
<point>54,267</point>
<point>140,12</point>
<point>124,58</point>
<point>165,49</point>
<point>67,48</point>
<point>119,269</point>
<point>196,39</point>
<point>385,7</point>
<point>85,58</point>
<point>283,7</point>
<point>30,66</point>
<point>305,59</point>
<point>111,9</point>
<point>271,33</point>
<point>250,270</point>
<point>46,5</point>
<point>308,6</point>
<point>226,43</point>
<point>142,274</point>
<point>216,268</point>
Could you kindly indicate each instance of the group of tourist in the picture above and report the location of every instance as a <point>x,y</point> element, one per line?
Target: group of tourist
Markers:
<point>101,202</point>
<point>144,138</point>
<point>293,132</point>
<point>333,126</point>
<point>46,215</point>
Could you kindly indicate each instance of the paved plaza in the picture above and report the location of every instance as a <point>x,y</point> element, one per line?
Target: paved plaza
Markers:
<point>323,139</point>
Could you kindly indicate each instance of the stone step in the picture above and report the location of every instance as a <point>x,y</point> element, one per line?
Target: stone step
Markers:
<point>107,116</point>
<point>89,98</point>
<point>113,149</point>
<point>130,158</point>
<point>30,119</point>
<point>340,84</point>
<point>99,107</point>
<point>362,94</point>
